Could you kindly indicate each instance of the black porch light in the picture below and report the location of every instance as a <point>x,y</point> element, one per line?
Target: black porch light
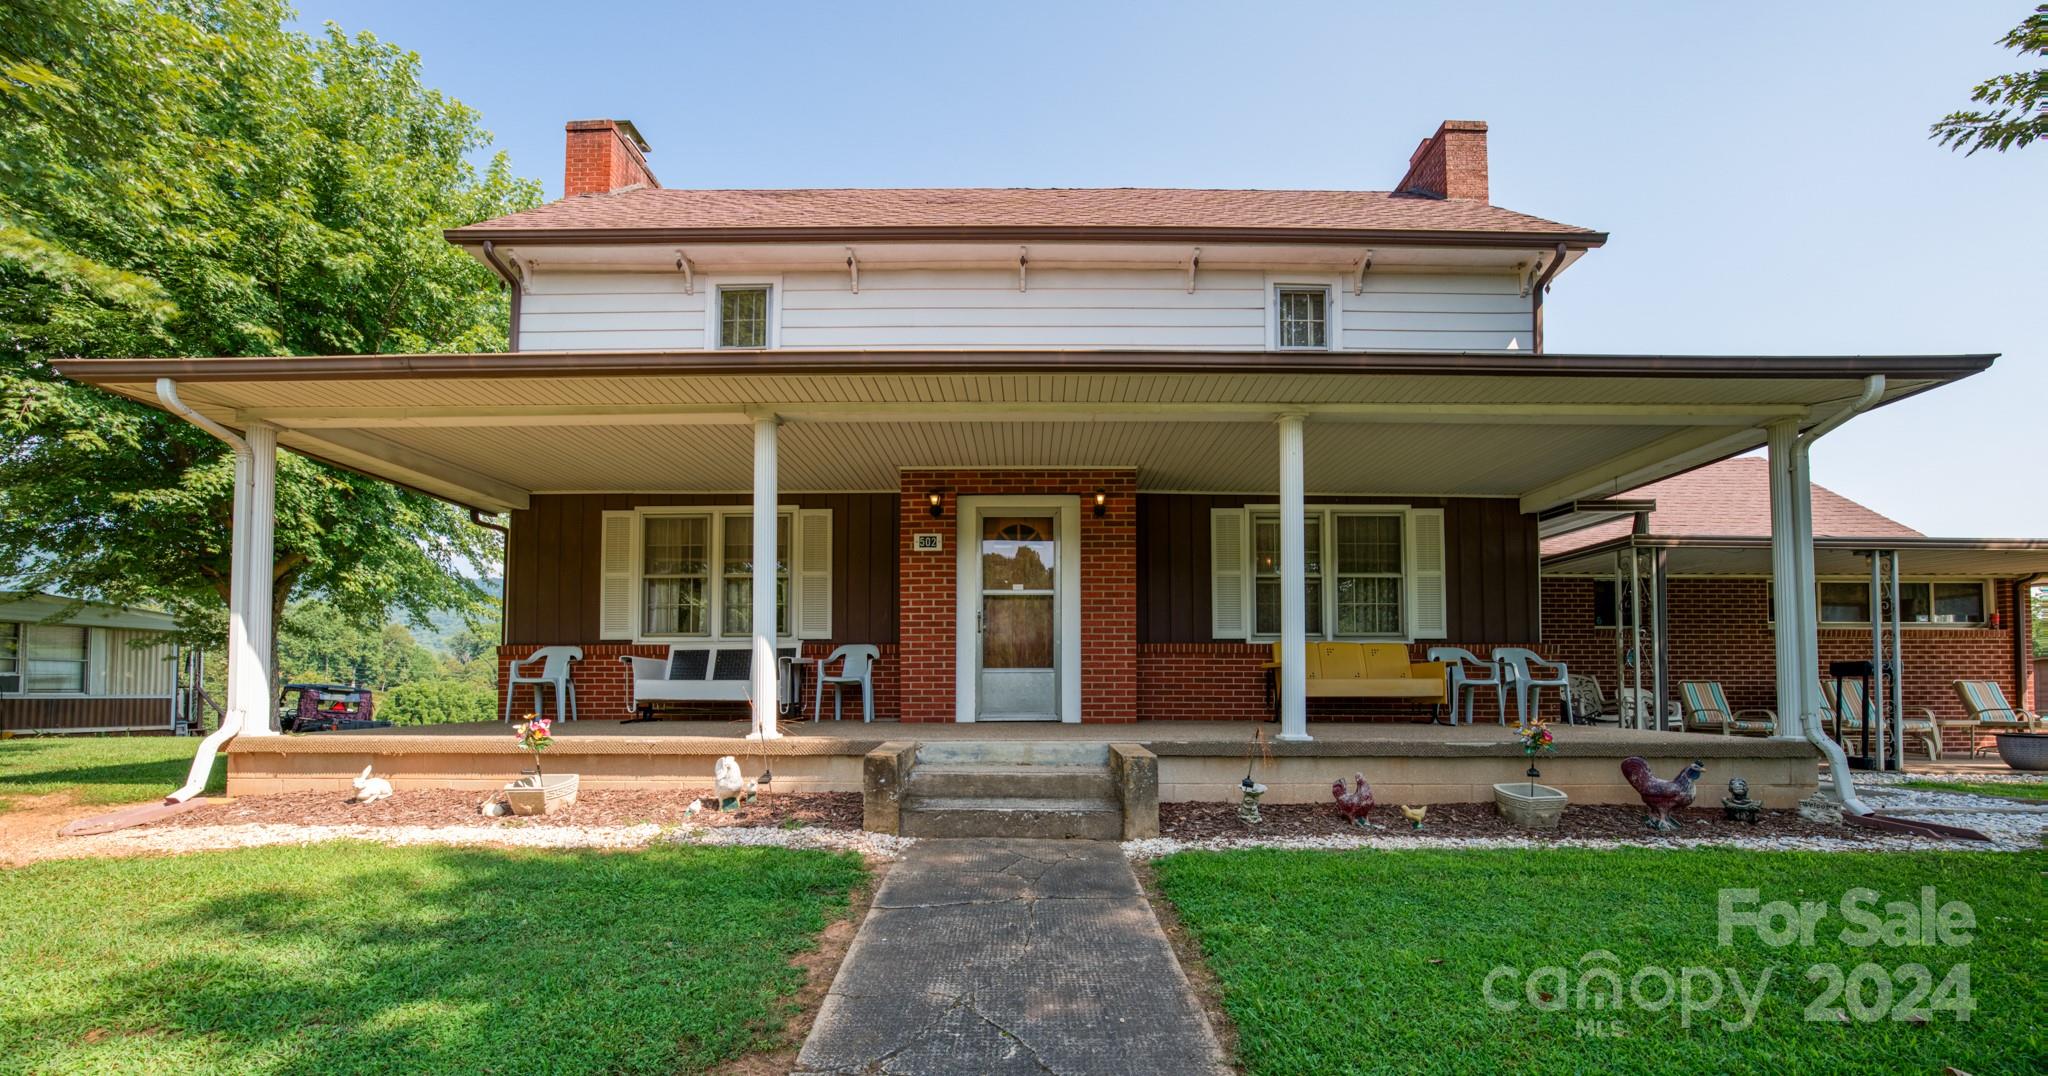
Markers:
<point>937,499</point>
<point>1101,503</point>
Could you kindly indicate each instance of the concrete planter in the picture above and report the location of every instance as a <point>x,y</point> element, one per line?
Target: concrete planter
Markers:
<point>546,795</point>
<point>1530,807</point>
<point>2024,750</point>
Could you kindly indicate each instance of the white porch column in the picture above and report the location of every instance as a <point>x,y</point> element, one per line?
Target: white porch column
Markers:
<point>255,581</point>
<point>1293,586</point>
<point>1788,608</point>
<point>765,678</point>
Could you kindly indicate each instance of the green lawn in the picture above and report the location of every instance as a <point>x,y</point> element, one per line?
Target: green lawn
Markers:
<point>2008,789</point>
<point>1377,961</point>
<point>100,769</point>
<point>356,958</point>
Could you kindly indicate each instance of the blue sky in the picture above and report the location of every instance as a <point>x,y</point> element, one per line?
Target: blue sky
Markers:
<point>1763,169</point>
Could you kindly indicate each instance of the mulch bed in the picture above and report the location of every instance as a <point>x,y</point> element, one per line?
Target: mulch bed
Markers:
<point>593,807</point>
<point>1201,821</point>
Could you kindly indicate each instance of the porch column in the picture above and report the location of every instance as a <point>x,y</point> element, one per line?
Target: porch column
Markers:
<point>1788,607</point>
<point>765,679</point>
<point>1293,586</point>
<point>255,583</point>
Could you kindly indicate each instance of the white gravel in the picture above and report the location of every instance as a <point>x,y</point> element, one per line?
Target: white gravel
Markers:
<point>2012,823</point>
<point>177,839</point>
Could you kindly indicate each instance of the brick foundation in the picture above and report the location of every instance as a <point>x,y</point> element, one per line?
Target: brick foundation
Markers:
<point>927,617</point>
<point>1719,629</point>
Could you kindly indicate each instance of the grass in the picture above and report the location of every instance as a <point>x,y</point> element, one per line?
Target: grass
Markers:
<point>2012,790</point>
<point>100,769</point>
<point>1370,962</point>
<point>356,958</point>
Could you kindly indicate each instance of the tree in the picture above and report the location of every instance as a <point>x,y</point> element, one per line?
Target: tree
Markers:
<point>2018,112</point>
<point>188,177</point>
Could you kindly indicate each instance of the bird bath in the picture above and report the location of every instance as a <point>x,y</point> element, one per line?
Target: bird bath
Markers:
<point>1529,805</point>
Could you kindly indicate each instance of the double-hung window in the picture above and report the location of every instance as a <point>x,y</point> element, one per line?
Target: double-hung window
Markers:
<point>1355,564</point>
<point>10,656</point>
<point>56,657</point>
<point>744,313</point>
<point>1301,317</point>
<point>697,574</point>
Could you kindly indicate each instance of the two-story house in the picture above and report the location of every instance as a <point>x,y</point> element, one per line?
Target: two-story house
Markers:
<point>1060,455</point>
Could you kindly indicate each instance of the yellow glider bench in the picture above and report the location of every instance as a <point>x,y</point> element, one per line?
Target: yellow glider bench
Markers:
<point>1362,671</point>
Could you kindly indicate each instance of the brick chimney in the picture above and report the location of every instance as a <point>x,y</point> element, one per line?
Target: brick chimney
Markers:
<point>605,156</point>
<point>1450,163</point>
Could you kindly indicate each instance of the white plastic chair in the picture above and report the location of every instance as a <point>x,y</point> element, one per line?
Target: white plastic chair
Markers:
<point>1459,671</point>
<point>554,670</point>
<point>1519,667</point>
<point>857,666</point>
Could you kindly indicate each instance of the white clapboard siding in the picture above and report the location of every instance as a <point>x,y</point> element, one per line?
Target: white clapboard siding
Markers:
<point>599,311</point>
<point>132,671</point>
<point>1438,312</point>
<point>914,308</point>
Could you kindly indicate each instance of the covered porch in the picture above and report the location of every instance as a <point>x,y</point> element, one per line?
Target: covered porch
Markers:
<point>1173,480</point>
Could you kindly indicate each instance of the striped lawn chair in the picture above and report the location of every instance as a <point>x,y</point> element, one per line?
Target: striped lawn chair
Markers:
<point>1926,729</point>
<point>1985,702</point>
<point>1706,709</point>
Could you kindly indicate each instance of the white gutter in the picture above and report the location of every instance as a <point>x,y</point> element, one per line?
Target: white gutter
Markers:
<point>1802,488</point>
<point>238,570</point>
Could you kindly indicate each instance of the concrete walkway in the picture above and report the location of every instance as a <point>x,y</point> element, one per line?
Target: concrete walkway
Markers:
<point>1002,956</point>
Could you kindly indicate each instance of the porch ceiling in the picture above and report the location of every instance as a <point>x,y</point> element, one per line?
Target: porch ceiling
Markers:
<point>1963,558</point>
<point>488,430</point>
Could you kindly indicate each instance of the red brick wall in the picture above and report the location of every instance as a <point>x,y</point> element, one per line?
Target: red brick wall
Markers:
<point>604,686</point>
<point>1225,681</point>
<point>600,159</point>
<point>927,615</point>
<point>1719,629</point>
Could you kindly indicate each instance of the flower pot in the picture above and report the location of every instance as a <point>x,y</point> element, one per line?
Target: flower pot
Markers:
<point>545,795</point>
<point>1529,806</point>
<point>2024,750</point>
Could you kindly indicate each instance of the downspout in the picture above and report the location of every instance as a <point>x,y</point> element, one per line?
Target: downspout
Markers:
<point>1536,310</point>
<point>245,464</point>
<point>1809,714</point>
<point>512,282</point>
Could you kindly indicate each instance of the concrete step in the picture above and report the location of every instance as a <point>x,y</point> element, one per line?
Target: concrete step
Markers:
<point>991,780</point>
<point>1056,819</point>
<point>1012,753</point>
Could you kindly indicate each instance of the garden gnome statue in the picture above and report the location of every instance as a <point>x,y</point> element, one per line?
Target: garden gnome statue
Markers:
<point>1737,805</point>
<point>1248,810</point>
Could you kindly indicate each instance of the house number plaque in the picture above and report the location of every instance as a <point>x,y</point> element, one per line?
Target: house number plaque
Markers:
<point>927,543</point>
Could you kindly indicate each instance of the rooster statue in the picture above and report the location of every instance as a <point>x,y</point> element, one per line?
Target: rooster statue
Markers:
<point>1660,796</point>
<point>727,783</point>
<point>1415,814</point>
<point>1355,804</point>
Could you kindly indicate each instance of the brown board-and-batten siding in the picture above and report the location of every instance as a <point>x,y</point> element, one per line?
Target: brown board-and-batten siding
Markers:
<point>553,573</point>
<point>1490,571</point>
<point>82,713</point>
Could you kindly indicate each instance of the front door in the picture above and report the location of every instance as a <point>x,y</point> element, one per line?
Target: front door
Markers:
<point>1019,617</point>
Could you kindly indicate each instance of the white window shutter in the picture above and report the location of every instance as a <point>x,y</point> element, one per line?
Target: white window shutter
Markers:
<point>814,573</point>
<point>616,607</point>
<point>1428,617</point>
<point>1229,613</point>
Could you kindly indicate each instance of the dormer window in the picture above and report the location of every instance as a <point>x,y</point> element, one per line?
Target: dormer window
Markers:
<point>743,316</point>
<point>1303,317</point>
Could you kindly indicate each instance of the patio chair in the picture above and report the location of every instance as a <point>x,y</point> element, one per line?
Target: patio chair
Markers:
<point>1925,729</point>
<point>1985,702</point>
<point>1628,699</point>
<point>1520,669</point>
<point>1706,709</point>
<point>1589,701</point>
<point>554,664</point>
<point>1464,671</point>
<point>856,666</point>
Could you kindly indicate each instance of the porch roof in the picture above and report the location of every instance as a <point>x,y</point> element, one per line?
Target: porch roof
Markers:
<point>1750,556</point>
<point>488,430</point>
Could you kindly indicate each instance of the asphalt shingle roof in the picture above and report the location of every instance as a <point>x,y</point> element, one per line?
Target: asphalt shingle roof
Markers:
<point>1732,499</point>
